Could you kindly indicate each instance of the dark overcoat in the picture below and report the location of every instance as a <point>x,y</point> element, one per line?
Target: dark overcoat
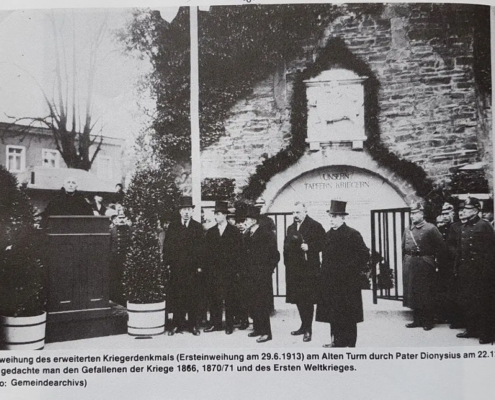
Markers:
<point>259,258</point>
<point>222,259</point>
<point>419,266</point>
<point>475,265</point>
<point>345,255</point>
<point>302,268</point>
<point>182,251</point>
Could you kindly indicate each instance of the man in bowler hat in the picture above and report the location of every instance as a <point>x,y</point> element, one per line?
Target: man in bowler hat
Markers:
<point>222,258</point>
<point>475,269</point>
<point>302,247</point>
<point>182,252</point>
<point>344,257</point>
<point>260,257</point>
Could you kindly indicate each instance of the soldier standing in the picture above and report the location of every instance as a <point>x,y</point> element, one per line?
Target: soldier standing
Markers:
<point>445,310</point>
<point>475,268</point>
<point>421,244</point>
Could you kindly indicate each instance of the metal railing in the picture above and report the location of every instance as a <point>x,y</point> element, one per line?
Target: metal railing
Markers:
<point>387,228</point>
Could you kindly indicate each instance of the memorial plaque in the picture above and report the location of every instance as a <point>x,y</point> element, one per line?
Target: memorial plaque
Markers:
<point>362,190</point>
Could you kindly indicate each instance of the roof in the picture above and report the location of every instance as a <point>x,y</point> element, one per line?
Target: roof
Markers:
<point>38,130</point>
<point>54,178</point>
<point>472,167</point>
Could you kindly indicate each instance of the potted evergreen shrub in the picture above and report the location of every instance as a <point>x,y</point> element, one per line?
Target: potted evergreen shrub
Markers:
<point>22,300</point>
<point>151,193</point>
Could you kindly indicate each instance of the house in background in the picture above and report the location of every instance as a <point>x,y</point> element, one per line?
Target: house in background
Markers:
<point>31,155</point>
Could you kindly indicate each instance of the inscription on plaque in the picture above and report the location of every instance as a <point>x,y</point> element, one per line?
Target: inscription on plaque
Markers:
<point>361,190</point>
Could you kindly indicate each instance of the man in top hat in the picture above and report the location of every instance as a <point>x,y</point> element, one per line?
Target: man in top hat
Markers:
<point>422,243</point>
<point>302,248</point>
<point>344,257</point>
<point>260,257</point>
<point>182,252</point>
<point>475,268</point>
<point>222,256</point>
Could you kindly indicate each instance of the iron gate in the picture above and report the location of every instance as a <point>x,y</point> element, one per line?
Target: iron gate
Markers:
<point>282,222</point>
<point>387,228</point>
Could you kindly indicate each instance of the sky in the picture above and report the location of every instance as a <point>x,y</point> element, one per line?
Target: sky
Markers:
<point>28,53</point>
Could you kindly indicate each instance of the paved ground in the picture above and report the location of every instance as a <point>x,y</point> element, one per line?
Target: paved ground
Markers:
<point>383,327</point>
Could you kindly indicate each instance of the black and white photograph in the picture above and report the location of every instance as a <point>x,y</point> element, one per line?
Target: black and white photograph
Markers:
<point>194,182</point>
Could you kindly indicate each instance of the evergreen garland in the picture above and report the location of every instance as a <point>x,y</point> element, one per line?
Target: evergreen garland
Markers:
<point>336,55</point>
<point>218,189</point>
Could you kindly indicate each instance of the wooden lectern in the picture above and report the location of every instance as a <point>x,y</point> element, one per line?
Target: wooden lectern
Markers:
<point>78,266</point>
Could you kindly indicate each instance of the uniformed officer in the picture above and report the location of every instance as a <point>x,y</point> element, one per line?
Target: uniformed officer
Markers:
<point>421,244</point>
<point>476,272</point>
<point>445,306</point>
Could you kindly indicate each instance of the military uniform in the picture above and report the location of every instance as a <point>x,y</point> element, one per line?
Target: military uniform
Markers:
<point>453,310</point>
<point>475,271</point>
<point>422,243</point>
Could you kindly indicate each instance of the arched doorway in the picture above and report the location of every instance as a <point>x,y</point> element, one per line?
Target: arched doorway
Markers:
<point>363,190</point>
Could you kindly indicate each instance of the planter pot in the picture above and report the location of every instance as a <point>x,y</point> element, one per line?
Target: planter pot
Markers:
<point>146,319</point>
<point>23,333</point>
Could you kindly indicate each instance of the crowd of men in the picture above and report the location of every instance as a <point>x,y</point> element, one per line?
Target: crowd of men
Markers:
<point>236,258</point>
<point>448,270</point>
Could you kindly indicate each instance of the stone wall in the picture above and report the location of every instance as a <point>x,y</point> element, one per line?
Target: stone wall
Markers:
<point>431,112</point>
<point>258,128</point>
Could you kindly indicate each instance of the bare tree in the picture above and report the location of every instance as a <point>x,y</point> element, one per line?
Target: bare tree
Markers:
<point>70,112</point>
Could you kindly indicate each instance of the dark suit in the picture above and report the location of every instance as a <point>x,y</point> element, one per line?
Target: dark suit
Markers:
<point>302,268</point>
<point>260,257</point>
<point>182,251</point>
<point>344,257</point>
<point>68,204</point>
<point>101,211</point>
<point>222,263</point>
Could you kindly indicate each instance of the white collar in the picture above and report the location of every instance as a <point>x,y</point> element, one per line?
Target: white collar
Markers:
<point>221,228</point>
